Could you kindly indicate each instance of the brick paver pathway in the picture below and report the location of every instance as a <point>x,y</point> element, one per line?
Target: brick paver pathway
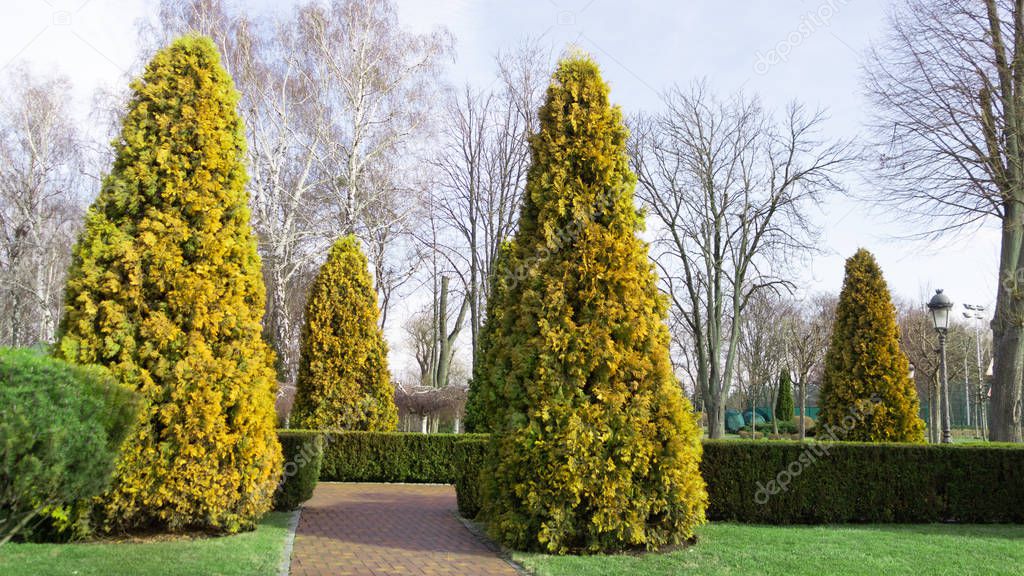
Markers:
<point>375,529</point>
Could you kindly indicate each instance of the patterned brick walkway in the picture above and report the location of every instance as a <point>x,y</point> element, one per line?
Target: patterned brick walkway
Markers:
<point>376,529</point>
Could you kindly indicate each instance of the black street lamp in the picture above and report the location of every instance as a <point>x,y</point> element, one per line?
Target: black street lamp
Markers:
<point>940,304</point>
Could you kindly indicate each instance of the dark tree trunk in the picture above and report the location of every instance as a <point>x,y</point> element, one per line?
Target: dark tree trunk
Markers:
<point>1007,341</point>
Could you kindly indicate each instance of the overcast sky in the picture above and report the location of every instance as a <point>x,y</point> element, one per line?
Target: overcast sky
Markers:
<point>808,51</point>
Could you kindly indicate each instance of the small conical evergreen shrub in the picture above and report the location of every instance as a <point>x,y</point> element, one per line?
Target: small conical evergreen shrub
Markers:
<point>343,381</point>
<point>165,290</point>
<point>866,391</point>
<point>784,399</point>
<point>594,448</point>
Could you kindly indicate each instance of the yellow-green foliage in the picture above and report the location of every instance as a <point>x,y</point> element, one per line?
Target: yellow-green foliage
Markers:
<point>866,391</point>
<point>165,289</point>
<point>343,381</point>
<point>594,447</point>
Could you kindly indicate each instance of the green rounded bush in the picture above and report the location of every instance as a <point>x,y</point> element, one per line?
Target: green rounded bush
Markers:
<point>61,430</point>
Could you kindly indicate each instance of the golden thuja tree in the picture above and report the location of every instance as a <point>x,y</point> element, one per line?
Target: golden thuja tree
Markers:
<point>343,381</point>
<point>165,289</point>
<point>593,446</point>
<point>866,390</point>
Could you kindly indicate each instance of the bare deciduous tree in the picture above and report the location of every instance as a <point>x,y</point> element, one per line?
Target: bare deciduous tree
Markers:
<point>729,188</point>
<point>377,88</point>
<point>481,169</point>
<point>461,192</point>
<point>762,350</point>
<point>41,175</point>
<point>808,330</point>
<point>436,328</point>
<point>333,97</point>
<point>920,343</point>
<point>433,332</point>
<point>948,89</point>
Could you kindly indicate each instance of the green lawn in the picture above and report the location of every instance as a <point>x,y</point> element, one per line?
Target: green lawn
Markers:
<point>814,550</point>
<point>254,553</point>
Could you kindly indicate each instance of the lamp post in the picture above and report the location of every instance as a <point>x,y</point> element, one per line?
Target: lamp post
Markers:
<point>940,304</point>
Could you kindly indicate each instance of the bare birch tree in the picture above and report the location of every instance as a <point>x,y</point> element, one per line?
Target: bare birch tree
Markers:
<point>728,187</point>
<point>948,90</point>
<point>333,97</point>
<point>378,84</point>
<point>41,200</point>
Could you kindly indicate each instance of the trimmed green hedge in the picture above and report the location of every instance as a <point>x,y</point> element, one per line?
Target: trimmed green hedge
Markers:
<point>813,483</point>
<point>825,482</point>
<point>469,461</point>
<point>303,452</point>
<point>391,457</point>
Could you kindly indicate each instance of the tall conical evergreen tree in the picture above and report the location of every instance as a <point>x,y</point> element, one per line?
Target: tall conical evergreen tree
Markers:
<point>866,391</point>
<point>784,398</point>
<point>343,381</point>
<point>594,446</point>
<point>165,289</point>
